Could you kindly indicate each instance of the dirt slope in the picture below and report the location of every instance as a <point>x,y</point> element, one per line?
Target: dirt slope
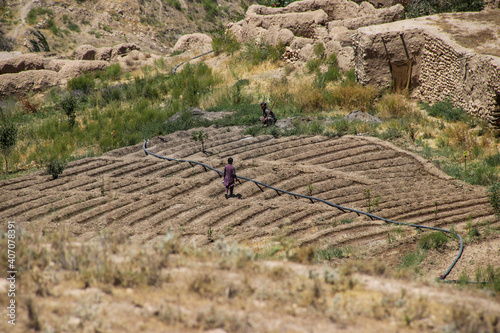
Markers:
<point>146,197</point>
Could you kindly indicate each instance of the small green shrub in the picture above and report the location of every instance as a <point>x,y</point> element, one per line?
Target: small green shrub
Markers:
<point>113,72</point>
<point>200,136</point>
<point>225,42</point>
<point>8,139</point>
<point>38,11</point>
<point>55,168</point>
<point>85,84</point>
<point>446,111</point>
<point>413,259</point>
<point>433,240</point>
<point>69,104</point>
<point>329,253</point>
<point>73,27</point>
<point>494,191</point>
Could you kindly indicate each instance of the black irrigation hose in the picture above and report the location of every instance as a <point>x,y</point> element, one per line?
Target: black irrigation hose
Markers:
<point>200,55</point>
<point>312,199</point>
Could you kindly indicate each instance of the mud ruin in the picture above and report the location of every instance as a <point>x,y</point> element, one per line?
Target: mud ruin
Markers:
<point>417,54</point>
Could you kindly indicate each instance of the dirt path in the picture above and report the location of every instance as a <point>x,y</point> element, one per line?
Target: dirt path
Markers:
<point>23,13</point>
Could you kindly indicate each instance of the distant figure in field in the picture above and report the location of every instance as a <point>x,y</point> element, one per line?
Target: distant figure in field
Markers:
<point>229,177</point>
<point>268,117</point>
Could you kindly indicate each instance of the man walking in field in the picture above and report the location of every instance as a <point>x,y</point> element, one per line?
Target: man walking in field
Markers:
<point>229,177</point>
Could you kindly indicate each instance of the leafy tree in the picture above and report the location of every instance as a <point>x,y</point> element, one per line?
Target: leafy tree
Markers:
<point>8,139</point>
<point>55,168</point>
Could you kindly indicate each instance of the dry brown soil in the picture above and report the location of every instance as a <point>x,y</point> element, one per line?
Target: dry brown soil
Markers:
<point>146,197</point>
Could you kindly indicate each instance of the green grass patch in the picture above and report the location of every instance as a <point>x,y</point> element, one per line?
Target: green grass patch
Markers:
<point>433,240</point>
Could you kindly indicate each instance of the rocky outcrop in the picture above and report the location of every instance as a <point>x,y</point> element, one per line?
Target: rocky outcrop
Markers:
<point>302,24</point>
<point>441,70</point>
<point>19,84</point>
<point>21,74</point>
<point>69,69</point>
<point>193,42</point>
<point>21,63</point>
<point>88,52</point>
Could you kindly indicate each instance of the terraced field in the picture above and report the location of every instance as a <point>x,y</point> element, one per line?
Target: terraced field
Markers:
<point>145,197</point>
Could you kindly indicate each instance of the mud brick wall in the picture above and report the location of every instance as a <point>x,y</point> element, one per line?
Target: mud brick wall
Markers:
<point>371,61</point>
<point>470,81</point>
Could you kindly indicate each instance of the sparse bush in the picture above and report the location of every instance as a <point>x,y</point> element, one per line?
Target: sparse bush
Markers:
<point>393,106</point>
<point>413,259</point>
<point>38,43</point>
<point>55,168</point>
<point>429,7</point>
<point>225,42</point>
<point>113,72</point>
<point>6,43</point>
<point>494,191</point>
<point>329,253</point>
<point>446,111</point>
<point>69,103</point>
<point>38,11</point>
<point>8,139</point>
<point>433,240</point>
<point>85,84</point>
<point>354,97</point>
<point>200,136</point>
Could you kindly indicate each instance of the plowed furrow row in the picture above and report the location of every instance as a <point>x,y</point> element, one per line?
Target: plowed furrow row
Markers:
<point>196,214</point>
<point>143,214</point>
<point>172,169</point>
<point>108,209</point>
<point>136,187</point>
<point>336,151</point>
<point>250,215</point>
<point>227,213</point>
<point>132,167</point>
<point>46,210</point>
<point>186,144</point>
<point>15,202</point>
<point>170,215</point>
<point>184,187</point>
<point>155,166</point>
<point>23,184</point>
<point>75,183</point>
<point>79,163</point>
<point>460,215</point>
<point>8,182</point>
<point>122,214</point>
<point>108,168</point>
<point>363,162</point>
<point>203,217</point>
<point>74,210</point>
<point>220,145</point>
<point>392,173</point>
<point>95,164</point>
<point>243,145</point>
<point>371,233</point>
<point>52,184</point>
<point>24,208</point>
<point>270,146</point>
<point>444,207</point>
<point>289,148</point>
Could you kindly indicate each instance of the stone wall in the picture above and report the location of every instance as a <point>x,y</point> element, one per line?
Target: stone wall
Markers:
<point>442,70</point>
<point>470,81</point>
